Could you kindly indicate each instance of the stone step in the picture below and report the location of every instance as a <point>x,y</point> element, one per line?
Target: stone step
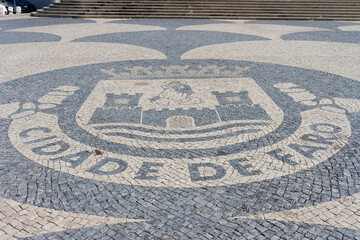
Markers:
<point>211,3</point>
<point>181,9</point>
<point>175,13</point>
<point>148,11</point>
<point>201,9</point>
<point>202,4</point>
<point>253,17</point>
<point>207,7</point>
<point>270,8</point>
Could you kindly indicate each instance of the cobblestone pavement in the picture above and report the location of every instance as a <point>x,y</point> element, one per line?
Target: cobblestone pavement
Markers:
<point>179,129</point>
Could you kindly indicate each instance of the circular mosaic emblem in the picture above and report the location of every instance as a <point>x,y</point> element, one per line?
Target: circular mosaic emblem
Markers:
<point>189,124</point>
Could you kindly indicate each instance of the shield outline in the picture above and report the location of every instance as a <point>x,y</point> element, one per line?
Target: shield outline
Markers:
<point>211,135</point>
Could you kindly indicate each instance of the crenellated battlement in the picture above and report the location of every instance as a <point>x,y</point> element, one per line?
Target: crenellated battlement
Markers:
<point>201,117</point>
<point>231,106</point>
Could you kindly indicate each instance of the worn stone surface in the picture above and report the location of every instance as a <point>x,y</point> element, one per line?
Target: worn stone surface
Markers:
<point>23,220</point>
<point>179,129</point>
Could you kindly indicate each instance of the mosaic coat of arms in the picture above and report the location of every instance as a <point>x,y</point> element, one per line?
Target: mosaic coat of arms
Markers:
<point>207,126</point>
